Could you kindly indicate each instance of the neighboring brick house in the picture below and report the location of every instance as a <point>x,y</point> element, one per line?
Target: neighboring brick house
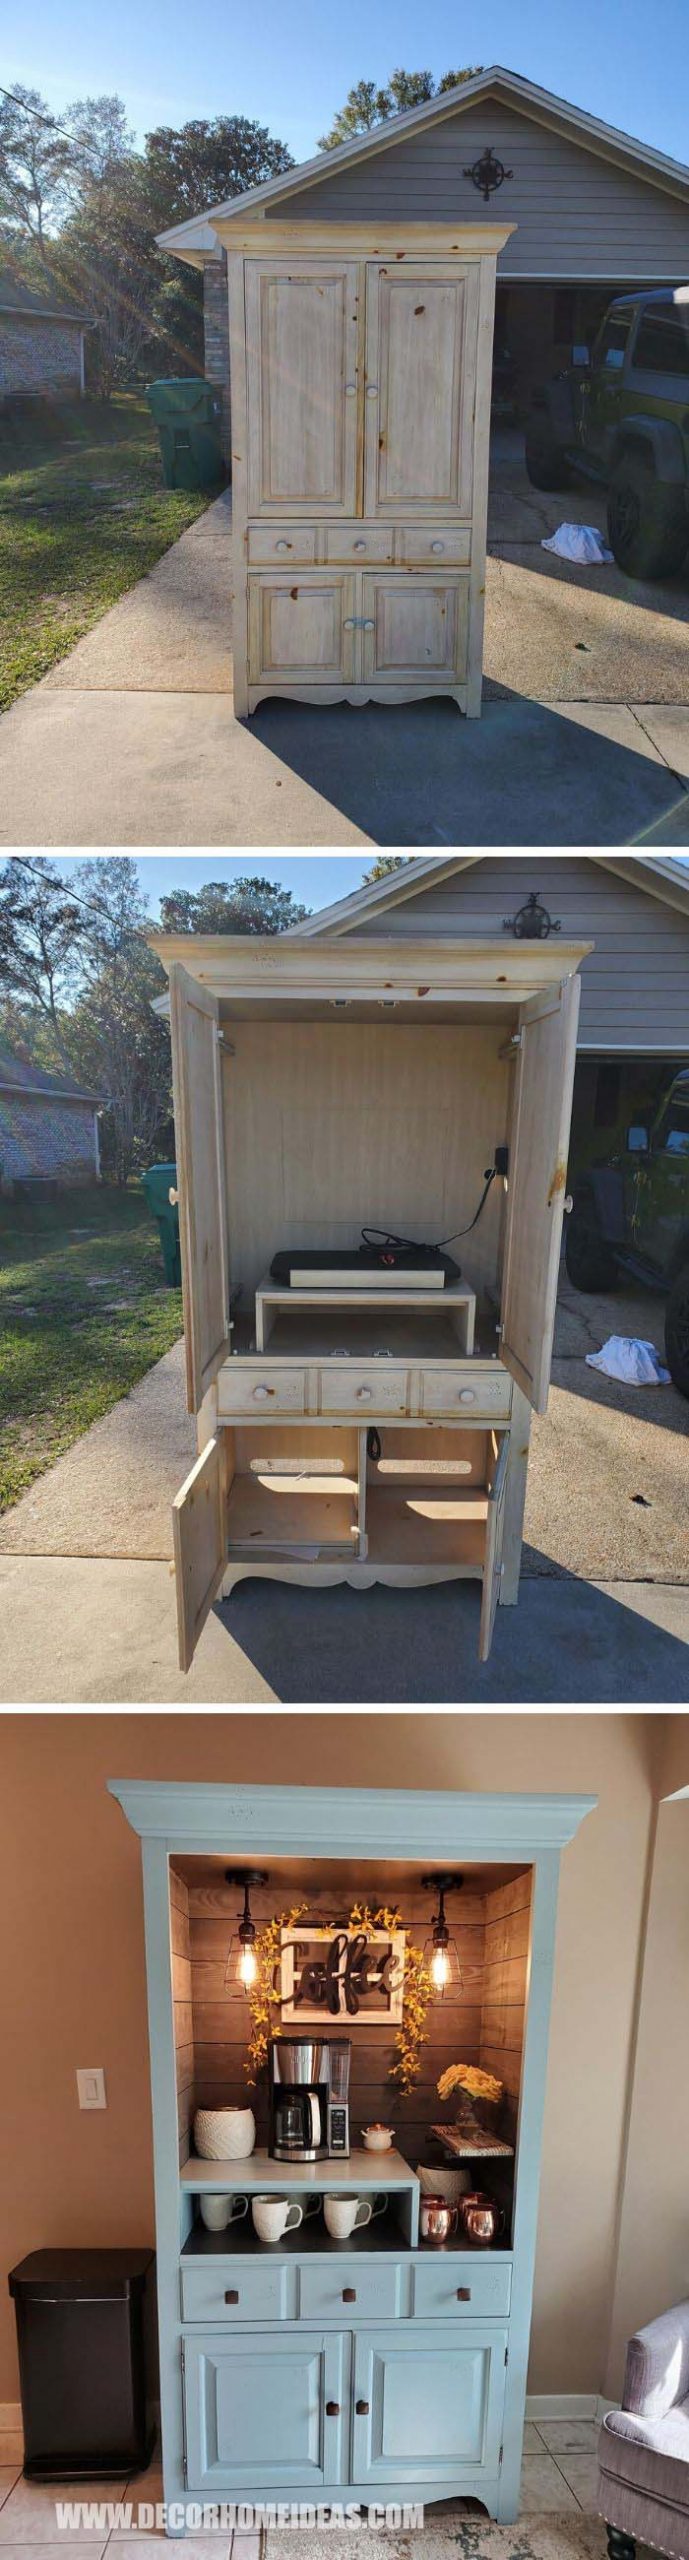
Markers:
<point>41,341</point>
<point>48,1127</point>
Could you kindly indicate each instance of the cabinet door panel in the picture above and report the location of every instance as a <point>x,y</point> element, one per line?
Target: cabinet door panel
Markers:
<point>415,629</point>
<point>196,1079</point>
<point>199,1529</point>
<point>256,2410</point>
<point>433,2401</point>
<point>302,379</point>
<point>301,630</point>
<point>492,1571</point>
<point>420,359</point>
<point>538,1174</point>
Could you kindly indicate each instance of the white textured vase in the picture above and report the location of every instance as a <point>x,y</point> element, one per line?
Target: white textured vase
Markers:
<point>224,2133</point>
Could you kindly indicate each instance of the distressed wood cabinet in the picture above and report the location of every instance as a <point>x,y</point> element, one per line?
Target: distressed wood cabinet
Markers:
<point>373,2369</point>
<point>361,373</point>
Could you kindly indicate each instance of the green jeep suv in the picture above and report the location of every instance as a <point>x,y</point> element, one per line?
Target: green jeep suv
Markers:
<point>621,416</point>
<point>632,1214</point>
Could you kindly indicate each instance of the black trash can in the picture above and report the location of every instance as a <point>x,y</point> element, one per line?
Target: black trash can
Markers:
<point>82,2322</point>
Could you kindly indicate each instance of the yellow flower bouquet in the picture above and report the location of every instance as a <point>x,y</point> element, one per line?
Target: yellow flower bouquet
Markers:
<point>470,2083</point>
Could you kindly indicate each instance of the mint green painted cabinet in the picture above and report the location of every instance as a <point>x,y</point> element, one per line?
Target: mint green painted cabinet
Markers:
<point>266,2409</point>
<point>428,2403</point>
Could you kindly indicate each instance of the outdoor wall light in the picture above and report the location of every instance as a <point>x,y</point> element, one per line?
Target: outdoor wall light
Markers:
<point>242,1945</point>
<point>440,1950</point>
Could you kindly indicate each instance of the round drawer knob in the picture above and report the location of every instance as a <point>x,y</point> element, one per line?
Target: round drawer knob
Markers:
<point>232,2296</point>
<point>283,546</point>
<point>364,1395</point>
<point>349,2293</point>
<point>467,1395</point>
<point>359,546</point>
<point>437,546</point>
<point>260,1394</point>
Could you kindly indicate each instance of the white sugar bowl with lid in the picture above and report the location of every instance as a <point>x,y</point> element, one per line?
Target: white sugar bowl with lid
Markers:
<point>224,2133</point>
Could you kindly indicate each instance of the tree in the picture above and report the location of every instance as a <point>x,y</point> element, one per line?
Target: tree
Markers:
<point>247,905</point>
<point>384,863</point>
<point>365,105</point>
<point>119,1046</point>
<point>34,158</point>
<point>204,163</point>
<point>41,932</point>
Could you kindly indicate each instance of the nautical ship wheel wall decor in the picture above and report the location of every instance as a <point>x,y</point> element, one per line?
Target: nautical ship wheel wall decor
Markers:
<point>488,173</point>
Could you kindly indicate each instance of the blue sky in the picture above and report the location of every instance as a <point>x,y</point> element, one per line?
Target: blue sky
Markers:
<point>290,62</point>
<point>313,878</point>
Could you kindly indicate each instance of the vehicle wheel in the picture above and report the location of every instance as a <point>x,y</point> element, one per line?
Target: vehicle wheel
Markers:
<point>545,462</point>
<point>677,1332</point>
<point>588,1263</point>
<point>648,526</point>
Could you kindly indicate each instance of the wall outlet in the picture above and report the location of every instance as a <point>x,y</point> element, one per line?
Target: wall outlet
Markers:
<point>91,2087</point>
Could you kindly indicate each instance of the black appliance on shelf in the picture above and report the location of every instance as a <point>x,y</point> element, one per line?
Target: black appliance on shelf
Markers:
<point>299,2083</point>
<point>84,2323</point>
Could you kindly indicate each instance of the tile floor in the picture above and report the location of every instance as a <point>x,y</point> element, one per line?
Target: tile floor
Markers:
<point>559,2475</point>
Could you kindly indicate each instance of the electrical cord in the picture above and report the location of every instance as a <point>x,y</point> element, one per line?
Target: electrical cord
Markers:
<point>379,1236</point>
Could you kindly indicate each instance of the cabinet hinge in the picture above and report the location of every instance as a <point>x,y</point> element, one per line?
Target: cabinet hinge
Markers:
<point>516,1041</point>
<point>224,1043</point>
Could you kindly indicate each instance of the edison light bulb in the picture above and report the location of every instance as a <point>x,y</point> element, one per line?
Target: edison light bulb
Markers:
<point>247,1968</point>
<point>440,1968</point>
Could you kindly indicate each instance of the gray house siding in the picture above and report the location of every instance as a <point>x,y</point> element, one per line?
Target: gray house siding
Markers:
<point>577,215</point>
<point>46,1141</point>
<point>635,985</point>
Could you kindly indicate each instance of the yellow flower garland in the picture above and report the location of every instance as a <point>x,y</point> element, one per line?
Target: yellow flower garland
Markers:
<point>264,1995</point>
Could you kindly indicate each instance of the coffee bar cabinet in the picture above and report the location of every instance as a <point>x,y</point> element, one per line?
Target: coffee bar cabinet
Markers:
<point>323,1086</point>
<point>361,383</point>
<point>374,2367</point>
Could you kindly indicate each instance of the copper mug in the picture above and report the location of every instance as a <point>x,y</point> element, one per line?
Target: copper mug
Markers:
<point>437,2220</point>
<point>481,2220</point>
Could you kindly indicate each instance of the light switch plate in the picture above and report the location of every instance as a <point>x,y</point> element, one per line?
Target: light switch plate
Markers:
<point>91,2087</point>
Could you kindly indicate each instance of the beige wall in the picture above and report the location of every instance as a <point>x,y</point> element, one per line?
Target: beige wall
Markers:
<point>71,1921</point>
<point>653,2254</point>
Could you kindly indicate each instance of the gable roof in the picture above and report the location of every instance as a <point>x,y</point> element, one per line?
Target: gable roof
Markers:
<point>661,875</point>
<point>194,238</point>
<point>35,301</point>
<point>18,1076</point>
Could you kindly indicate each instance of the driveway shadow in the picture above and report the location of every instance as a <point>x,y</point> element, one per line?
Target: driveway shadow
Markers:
<point>525,774</point>
<point>567,1642</point>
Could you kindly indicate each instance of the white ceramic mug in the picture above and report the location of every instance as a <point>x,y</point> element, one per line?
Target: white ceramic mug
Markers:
<point>218,2211</point>
<point>345,2214</point>
<point>273,2215</point>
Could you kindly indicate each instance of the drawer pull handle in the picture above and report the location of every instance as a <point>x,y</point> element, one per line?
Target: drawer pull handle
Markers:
<point>363,2408</point>
<point>349,2293</point>
<point>332,2408</point>
<point>464,2293</point>
<point>283,546</point>
<point>437,546</point>
<point>364,1395</point>
<point>359,546</point>
<point>260,1394</point>
<point>233,2296</point>
<point>467,1395</point>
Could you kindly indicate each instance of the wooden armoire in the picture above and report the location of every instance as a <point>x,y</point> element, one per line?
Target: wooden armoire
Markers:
<point>361,378</point>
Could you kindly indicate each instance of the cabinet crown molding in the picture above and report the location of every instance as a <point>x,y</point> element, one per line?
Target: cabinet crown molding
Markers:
<point>372,1821</point>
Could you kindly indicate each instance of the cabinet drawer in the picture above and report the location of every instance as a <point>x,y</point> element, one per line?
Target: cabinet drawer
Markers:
<point>351,2291</point>
<point>483,1392</point>
<point>263,1390</point>
<point>264,2291</point>
<point>446,2289</point>
<point>429,542</point>
<point>345,1387</point>
<point>282,543</point>
<point>359,542</point>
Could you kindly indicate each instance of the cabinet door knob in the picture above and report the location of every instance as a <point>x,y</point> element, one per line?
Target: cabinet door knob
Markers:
<point>232,2297</point>
<point>369,626</point>
<point>332,2408</point>
<point>371,390</point>
<point>350,390</point>
<point>363,2408</point>
<point>349,2293</point>
<point>173,1197</point>
<point>260,1394</point>
<point>349,622</point>
<point>464,2293</point>
<point>364,1394</point>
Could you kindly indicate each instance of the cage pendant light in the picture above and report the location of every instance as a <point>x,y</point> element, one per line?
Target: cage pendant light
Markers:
<point>441,1953</point>
<point>241,1970</point>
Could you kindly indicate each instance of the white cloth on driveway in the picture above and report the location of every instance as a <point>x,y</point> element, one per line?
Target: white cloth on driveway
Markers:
<point>636,1364</point>
<point>580,542</point>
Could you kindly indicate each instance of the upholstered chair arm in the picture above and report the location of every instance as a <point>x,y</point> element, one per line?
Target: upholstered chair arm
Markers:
<point>657,2367</point>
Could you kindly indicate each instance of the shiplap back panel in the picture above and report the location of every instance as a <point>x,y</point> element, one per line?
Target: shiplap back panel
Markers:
<point>576,214</point>
<point>505,1973</point>
<point>329,1127</point>
<point>182,2009</point>
<point>635,984</point>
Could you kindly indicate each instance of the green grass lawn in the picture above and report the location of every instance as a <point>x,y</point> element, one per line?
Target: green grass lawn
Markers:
<point>83,514</point>
<point>84,1311</point>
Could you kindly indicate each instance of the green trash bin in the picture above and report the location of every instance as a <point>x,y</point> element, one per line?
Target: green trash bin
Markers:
<point>188,416</point>
<point>158,1182</point>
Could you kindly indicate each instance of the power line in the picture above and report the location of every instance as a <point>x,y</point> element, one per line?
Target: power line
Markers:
<point>50,121</point>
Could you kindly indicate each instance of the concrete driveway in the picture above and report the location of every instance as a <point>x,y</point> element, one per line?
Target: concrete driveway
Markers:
<point>603,1617</point>
<point>584,737</point>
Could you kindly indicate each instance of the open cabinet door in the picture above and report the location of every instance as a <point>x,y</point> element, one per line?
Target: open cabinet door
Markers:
<point>196,1076</point>
<point>537,1177</point>
<point>492,1570</point>
<point>200,1546</point>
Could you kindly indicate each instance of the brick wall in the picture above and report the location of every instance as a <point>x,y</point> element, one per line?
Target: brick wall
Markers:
<point>48,1141</point>
<point>216,337</point>
<point>39,355</point>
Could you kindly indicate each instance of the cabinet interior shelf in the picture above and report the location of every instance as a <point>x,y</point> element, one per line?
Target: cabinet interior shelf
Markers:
<point>378,2239</point>
<point>364,2173</point>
